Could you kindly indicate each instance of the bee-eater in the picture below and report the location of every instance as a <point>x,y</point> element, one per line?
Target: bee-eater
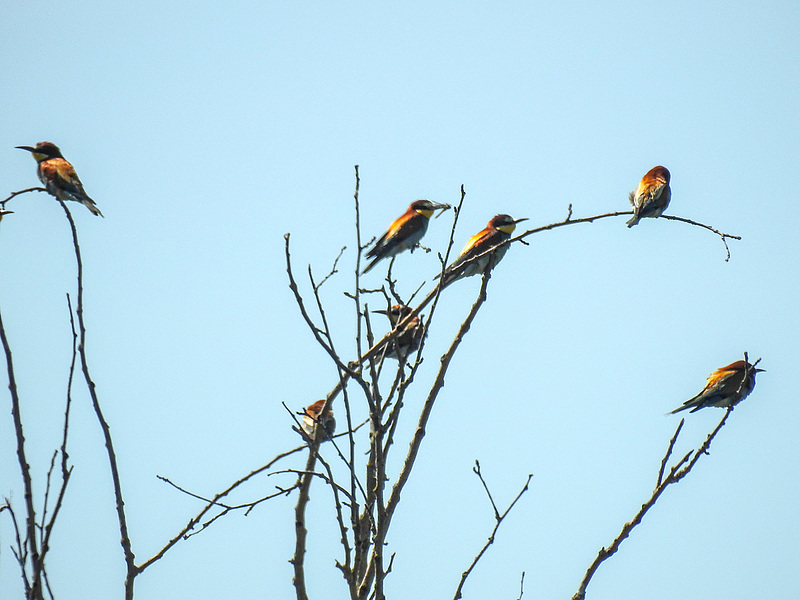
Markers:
<point>313,416</point>
<point>725,387</point>
<point>498,230</point>
<point>652,195</point>
<point>409,339</point>
<point>4,212</point>
<point>405,233</point>
<point>58,176</point>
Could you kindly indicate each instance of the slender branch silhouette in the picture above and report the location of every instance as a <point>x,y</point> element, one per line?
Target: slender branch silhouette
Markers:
<point>676,473</point>
<point>131,570</point>
<point>498,521</point>
<point>25,191</point>
<point>29,547</point>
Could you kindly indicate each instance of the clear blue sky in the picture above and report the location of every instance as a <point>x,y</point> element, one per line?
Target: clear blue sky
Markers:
<point>207,131</point>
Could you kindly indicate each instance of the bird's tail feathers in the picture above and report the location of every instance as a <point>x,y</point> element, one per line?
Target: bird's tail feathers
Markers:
<point>89,203</point>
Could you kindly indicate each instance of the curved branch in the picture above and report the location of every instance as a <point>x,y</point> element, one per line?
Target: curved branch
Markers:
<point>33,189</point>
<point>125,540</point>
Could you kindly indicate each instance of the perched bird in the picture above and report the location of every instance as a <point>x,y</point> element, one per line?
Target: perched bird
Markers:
<point>498,230</point>
<point>651,197</point>
<point>409,339</point>
<point>58,176</point>
<point>4,212</point>
<point>313,416</point>
<point>405,233</point>
<point>725,387</point>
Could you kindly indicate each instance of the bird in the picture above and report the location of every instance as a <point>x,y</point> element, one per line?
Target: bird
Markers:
<point>651,197</point>
<point>59,176</point>
<point>312,417</point>
<point>409,339</point>
<point>498,230</point>
<point>404,233</point>
<point>4,212</point>
<point>725,387</point>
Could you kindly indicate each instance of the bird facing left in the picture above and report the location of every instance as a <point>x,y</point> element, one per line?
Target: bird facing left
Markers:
<point>58,176</point>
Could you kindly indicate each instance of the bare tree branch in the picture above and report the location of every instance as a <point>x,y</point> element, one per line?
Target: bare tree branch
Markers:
<point>131,570</point>
<point>25,191</point>
<point>33,587</point>
<point>211,503</point>
<point>498,520</point>
<point>676,473</point>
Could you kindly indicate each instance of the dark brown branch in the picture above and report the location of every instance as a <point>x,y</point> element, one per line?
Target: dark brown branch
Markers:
<point>21,550</point>
<point>64,453</point>
<point>35,591</point>
<point>33,189</point>
<point>721,235</point>
<point>211,503</point>
<point>498,521</point>
<point>301,304</point>
<point>670,448</point>
<point>676,473</point>
<point>131,570</point>
<point>298,560</point>
<point>333,270</point>
<point>416,442</point>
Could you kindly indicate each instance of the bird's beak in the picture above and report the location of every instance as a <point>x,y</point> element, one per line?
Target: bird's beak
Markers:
<point>3,211</point>
<point>520,220</point>
<point>442,207</point>
<point>28,148</point>
<point>381,312</point>
<point>758,370</point>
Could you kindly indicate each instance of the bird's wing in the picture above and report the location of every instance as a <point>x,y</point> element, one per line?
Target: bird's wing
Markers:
<point>63,175</point>
<point>407,230</point>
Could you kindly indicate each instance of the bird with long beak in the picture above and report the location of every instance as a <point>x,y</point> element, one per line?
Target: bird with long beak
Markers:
<point>651,197</point>
<point>58,176</point>
<point>411,335</point>
<point>4,212</point>
<point>314,415</point>
<point>725,387</point>
<point>405,233</point>
<point>497,231</point>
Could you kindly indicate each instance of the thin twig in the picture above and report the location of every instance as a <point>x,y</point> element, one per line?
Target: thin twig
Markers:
<point>498,521</point>
<point>721,235</point>
<point>125,541</point>
<point>674,476</point>
<point>33,189</point>
<point>211,503</point>
<point>668,453</point>
<point>35,591</point>
<point>416,442</point>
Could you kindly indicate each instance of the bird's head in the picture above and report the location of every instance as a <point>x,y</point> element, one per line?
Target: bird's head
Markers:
<point>505,223</point>
<point>659,173</point>
<point>426,208</point>
<point>43,151</point>
<point>396,313</point>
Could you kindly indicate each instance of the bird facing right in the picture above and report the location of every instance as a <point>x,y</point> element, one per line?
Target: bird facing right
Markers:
<point>497,231</point>
<point>404,233</point>
<point>652,195</point>
<point>725,387</point>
